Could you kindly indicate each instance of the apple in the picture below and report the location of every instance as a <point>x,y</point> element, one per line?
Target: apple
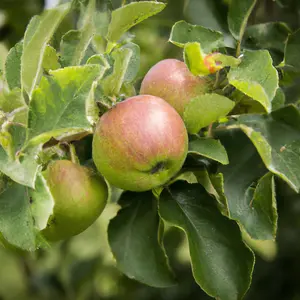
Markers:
<point>171,80</point>
<point>140,144</point>
<point>79,195</point>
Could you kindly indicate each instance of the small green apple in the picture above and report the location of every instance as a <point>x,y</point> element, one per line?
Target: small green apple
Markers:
<point>140,144</point>
<point>79,197</point>
<point>171,80</point>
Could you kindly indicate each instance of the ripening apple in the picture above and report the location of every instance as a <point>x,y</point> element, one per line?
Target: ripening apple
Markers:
<point>140,144</point>
<point>79,196</point>
<point>171,80</point>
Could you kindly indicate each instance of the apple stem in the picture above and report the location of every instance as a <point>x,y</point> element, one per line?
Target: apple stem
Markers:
<point>217,80</point>
<point>74,157</point>
<point>210,131</point>
<point>238,48</point>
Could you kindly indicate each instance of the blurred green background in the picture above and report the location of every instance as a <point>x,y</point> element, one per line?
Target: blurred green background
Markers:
<point>83,267</point>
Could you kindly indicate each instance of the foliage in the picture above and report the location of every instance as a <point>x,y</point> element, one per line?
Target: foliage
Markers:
<point>244,137</point>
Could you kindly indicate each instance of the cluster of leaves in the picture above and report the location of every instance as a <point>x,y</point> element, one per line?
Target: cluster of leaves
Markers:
<point>242,136</point>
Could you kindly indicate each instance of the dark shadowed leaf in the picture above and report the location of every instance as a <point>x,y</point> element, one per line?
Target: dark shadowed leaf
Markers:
<point>291,55</point>
<point>271,36</point>
<point>239,12</point>
<point>277,139</point>
<point>215,242</point>
<point>134,240</point>
<point>253,206</point>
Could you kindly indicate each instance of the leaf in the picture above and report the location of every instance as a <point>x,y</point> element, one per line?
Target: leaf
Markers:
<point>209,148</point>
<point>112,83</point>
<point>279,99</point>
<point>183,33</point>
<point>13,66</point>
<point>134,63</point>
<point>129,15</point>
<point>291,53</point>
<point>206,13</point>
<point>50,60</point>
<point>133,238</point>
<point>277,140</point>
<point>194,58</point>
<point>215,243</point>
<point>271,35</point>
<point>203,110</point>
<point>252,205</point>
<point>62,100</point>
<point>201,64</point>
<point>3,56</point>
<point>92,110</point>
<point>16,221</point>
<point>74,45</point>
<point>22,169</point>
<point>42,202</point>
<point>214,185</point>
<point>256,77</point>
<point>238,15</point>
<point>38,34</point>
<point>11,101</point>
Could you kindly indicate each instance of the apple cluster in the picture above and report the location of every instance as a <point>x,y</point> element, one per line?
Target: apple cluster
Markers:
<point>141,143</point>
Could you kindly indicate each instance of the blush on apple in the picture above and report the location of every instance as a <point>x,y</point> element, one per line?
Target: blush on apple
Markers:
<point>140,144</point>
<point>171,80</point>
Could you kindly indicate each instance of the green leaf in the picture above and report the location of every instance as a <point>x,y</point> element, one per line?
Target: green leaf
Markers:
<point>194,58</point>
<point>134,63</point>
<point>74,45</point>
<point>291,53</point>
<point>215,243</point>
<point>13,66</point>
<point>201,64</point>
<point>271,35</point>
<point>122,67</point>
<point>38,34</point>
<point>50,60</point>
<point>256,77</point>
<point>277,140</point>
<point>279,99</point>
<point>11,101</point>
<point>23,168</point>
<point>62,100</point>
<point>20,167</point>
<point>16,221</point>
<point>134,241</point>
<point>214,185</point>
<point>42,202</point>
<point>129,15</point>
<point>206,13</point>
<point>250,203</point>
<point>3,56</point>
<point>203,110</point>
<point>238,15</point>
<point>183,33</point>
<point>209,148</point>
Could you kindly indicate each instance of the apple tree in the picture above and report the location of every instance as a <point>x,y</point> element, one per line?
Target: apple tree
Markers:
<point>199,142</point>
